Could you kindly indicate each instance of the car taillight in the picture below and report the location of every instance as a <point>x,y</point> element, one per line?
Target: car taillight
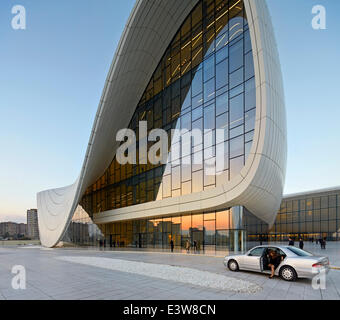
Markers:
<point>317,265</point>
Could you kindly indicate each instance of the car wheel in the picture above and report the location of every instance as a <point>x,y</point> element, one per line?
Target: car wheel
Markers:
<point>288,273</point>
<point>233,265</point>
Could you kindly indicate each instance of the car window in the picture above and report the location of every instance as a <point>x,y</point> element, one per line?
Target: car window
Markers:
<point>299,252</point>
<point>257,252</point>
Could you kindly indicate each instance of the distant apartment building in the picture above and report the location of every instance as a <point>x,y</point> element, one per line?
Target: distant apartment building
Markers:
<point>22,229</point>
<point>12,230</point>
<point>32,224</point>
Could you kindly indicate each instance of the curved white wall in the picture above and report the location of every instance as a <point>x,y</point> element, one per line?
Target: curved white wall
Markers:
<point>149,30</point>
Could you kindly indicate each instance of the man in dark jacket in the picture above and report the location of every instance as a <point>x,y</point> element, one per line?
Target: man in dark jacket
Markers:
<point>291,242</point>
<point>301,244</point>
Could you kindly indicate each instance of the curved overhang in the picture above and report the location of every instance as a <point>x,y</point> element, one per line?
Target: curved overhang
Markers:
<point>149,30</point>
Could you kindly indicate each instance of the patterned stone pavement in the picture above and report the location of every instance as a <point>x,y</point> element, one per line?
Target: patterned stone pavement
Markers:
<point>50,278</point>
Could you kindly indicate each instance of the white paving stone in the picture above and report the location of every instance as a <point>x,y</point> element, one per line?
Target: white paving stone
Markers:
<point>167,272</point>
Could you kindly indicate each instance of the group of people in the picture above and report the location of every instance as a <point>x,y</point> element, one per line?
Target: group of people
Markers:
<point>196,246</point>
<point>321,241</point>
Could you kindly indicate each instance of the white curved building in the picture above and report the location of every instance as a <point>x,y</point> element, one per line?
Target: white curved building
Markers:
<point>196,64</point>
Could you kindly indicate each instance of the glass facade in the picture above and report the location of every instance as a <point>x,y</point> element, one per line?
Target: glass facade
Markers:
<point>212,231</point>
<point>205,80</point>
<point>310,216</point>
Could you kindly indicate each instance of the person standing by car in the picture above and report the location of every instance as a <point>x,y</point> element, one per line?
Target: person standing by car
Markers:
<point>290,242</point>
<point>301,244</point>
<point>274,260</point>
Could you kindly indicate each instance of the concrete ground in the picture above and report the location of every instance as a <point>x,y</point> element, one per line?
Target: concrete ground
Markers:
<point>49,277</point>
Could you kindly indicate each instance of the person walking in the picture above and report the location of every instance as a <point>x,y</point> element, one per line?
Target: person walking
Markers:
<point>187,246</point>
<point>172,245</point>
<point>301,244</point>
<point>290,242</point>
<point>195,246</point>
<point>323,243</point>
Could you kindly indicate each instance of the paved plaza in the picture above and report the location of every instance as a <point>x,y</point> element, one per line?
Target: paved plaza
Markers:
<point>92,274</point>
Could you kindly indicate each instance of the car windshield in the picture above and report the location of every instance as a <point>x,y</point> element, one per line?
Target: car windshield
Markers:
<point>299,252</point>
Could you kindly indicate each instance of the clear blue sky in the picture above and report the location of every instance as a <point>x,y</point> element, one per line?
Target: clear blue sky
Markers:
<point>52,75</point>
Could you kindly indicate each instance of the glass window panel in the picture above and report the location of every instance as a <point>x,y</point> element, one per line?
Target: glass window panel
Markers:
<point>185,97</point>
<point>236,147</point>
<point>197,101</point>
<point>249,65</point>
<point>197,160</point>
<point>236,91</point>
<point>222,74</point>
<point>209,90</point>
<point>309,204</point>
<point>236,131</point>
<point>209,173</point>
<point>198,124</point>
<point>209,139</point>
<point>197,113</point>
<point>209,68</point>
<point>196,86</point>
<point>209,41</point>
<point>166,186</point>
<point>332,201</point>
<point>197,181</point>
<point>250,120</point>
<point>209,117</point>
<point>324,202</point>
<point>222,219</point>
<point>186,188</point>
<point>332,213</point>
<point>176,178</point>
<point>250,94</point>
<point>236,111</point>
<point>236,166</point>
<point>236,56</point>
<point>186,226</point>
<point>247,41</point>
<point>222,103</point>
<point>222,128</point>
<point>223,53</point>
<point>247,148</point>
<point>186,121</point>
<point>209,232</point>
<point>236,78</point>
<point>197,221</point>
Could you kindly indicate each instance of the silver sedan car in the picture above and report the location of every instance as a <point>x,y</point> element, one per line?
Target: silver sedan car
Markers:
<point>296,263</point>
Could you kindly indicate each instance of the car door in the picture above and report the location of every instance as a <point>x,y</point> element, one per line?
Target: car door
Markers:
<point>251,260</point>
<point>264,259</point>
